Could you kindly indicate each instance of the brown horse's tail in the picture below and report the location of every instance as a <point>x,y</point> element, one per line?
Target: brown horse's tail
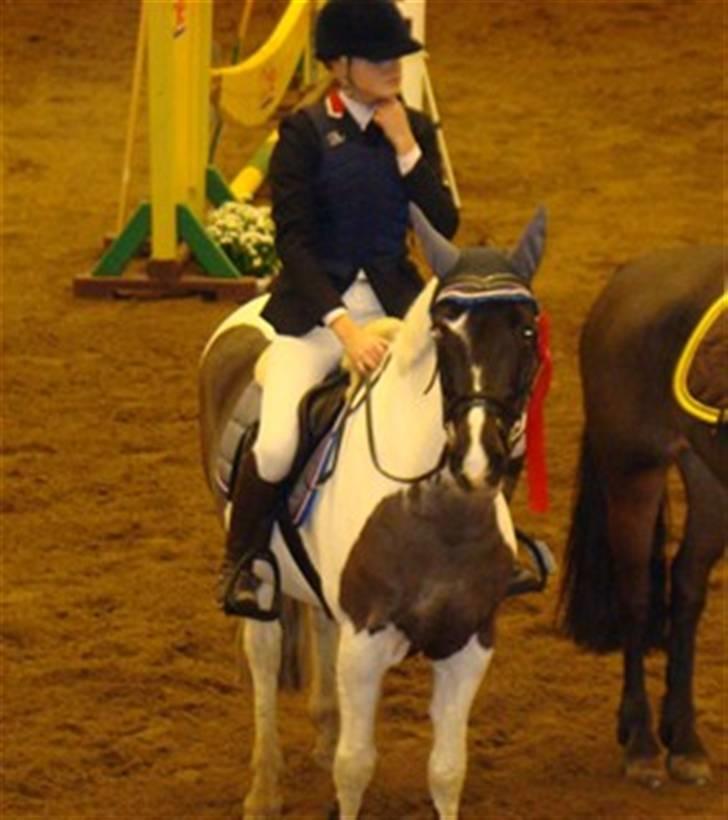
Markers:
<point>588,597</point>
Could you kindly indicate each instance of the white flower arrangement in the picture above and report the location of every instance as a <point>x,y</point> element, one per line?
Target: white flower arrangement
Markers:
<point>247,235</point>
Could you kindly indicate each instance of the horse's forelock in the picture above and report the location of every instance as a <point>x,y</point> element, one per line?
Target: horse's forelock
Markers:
<point>414,339</point>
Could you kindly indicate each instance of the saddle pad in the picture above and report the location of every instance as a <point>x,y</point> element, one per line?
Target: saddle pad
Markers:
<point>318,469</point>
<point>321,426</point>
<point>242,420</point>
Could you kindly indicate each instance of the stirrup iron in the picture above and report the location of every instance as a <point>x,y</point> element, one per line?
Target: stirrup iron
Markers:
<point>248,607</point>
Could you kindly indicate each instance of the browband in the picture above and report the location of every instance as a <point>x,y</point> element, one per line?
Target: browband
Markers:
<point>473,289</point>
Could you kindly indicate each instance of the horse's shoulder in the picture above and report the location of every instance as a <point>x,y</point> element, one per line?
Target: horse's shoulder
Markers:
<point>431,562</point>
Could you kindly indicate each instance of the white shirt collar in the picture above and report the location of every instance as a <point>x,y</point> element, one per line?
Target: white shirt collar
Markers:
<point>361,113</point>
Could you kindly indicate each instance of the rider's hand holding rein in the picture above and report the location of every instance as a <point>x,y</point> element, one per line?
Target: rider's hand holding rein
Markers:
<point>365,349</point>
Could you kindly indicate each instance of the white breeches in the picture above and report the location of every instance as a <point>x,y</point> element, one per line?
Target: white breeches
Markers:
<point>295,365</point>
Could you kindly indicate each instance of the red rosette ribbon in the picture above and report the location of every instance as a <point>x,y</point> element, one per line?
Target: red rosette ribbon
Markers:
<point>536,473</point>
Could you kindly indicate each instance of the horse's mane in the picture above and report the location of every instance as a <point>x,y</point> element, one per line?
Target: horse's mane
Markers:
<point>414,339</point>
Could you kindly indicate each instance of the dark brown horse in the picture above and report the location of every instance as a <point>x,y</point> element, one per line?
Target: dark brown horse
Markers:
<point>618,592</point>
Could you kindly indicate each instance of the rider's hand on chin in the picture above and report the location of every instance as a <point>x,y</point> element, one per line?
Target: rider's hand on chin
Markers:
<point>365,349</point>
<point>391,117</point>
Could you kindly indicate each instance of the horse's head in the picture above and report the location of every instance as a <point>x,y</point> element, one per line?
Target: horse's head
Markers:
<point>484,324</point>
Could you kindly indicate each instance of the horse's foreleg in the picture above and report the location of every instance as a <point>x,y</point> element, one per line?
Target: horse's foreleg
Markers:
<point>633,508</point>
<point>322,704</point>
<point>362,661</point>
<point>456,682</point>
<point>703,542</point>
<point>263,648</point>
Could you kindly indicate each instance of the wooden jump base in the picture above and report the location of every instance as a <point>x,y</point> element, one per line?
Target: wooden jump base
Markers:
<point>179,280</point>
<point>178,36</point>
<point>219,276</point>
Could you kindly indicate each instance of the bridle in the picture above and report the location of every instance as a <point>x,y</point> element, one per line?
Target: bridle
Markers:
<point>458,406</point>
<point>471,290</point>
<point>468,290</point>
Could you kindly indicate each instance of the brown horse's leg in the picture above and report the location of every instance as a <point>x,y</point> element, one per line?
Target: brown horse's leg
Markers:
<point>633,507</point>
<point>703,542</point>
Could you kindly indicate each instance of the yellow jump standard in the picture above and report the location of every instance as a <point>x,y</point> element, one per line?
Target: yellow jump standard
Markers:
<point>179,47</point>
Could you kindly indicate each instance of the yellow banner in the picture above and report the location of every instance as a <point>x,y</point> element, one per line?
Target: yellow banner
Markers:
<point>252,90</point>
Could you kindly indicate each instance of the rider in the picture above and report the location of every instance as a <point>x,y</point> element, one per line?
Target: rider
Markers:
<point>343,174</point>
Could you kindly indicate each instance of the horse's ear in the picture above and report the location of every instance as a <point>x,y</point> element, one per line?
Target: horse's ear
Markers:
<point>529,251</point>
<point>414,338</point>
<point>441,254</point>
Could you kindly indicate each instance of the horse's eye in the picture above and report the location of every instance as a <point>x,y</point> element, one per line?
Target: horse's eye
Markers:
<point>528,332</point>
<point>448,311</point>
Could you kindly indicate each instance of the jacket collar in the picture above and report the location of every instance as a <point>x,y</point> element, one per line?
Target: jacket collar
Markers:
<point>339,103</point>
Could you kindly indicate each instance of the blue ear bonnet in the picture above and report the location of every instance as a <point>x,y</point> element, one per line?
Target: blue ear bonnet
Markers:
<point>470,289</point>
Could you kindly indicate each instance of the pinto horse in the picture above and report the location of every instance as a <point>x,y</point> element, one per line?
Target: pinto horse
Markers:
<point>411,535</point>
<point>615,592</point>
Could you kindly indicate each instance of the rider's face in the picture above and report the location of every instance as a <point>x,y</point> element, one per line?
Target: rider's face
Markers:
<point>367,81</point>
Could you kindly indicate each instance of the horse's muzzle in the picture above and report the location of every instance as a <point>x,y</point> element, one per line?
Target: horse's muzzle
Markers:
<point>477,457</point>
<point>473,474</point>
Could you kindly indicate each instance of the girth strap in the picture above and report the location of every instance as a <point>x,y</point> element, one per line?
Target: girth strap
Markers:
<point>298,552</point>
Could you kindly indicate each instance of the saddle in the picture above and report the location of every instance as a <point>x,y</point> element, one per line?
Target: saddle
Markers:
<point>318,412</point>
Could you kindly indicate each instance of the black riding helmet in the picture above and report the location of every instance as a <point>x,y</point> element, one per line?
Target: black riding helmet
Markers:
<point>371,29</point>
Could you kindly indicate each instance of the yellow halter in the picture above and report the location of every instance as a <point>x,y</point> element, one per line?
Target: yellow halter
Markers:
<point>691,405</point>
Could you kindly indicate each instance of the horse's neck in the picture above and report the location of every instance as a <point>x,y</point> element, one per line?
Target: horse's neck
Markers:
<point>405,440</point>
<point>407,401</point>
<point>407,415</point>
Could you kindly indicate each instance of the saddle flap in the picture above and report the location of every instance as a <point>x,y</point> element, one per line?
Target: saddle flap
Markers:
<point>316,415</point>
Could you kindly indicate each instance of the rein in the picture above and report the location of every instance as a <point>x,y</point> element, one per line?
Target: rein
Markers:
<point>375,457</point>
<point>367,385</point>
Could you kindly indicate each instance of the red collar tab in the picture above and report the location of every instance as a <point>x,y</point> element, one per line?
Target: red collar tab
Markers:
<point>335,105</point>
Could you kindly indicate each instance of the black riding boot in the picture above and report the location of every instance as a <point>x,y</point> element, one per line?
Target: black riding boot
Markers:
<point>248,540</point>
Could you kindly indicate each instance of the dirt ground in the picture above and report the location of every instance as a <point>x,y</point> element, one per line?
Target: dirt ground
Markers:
<point>120,691</point>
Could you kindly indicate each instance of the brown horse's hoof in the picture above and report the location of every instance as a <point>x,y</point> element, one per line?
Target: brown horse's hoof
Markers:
<point>645,771</point>
<point>693,769</point>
